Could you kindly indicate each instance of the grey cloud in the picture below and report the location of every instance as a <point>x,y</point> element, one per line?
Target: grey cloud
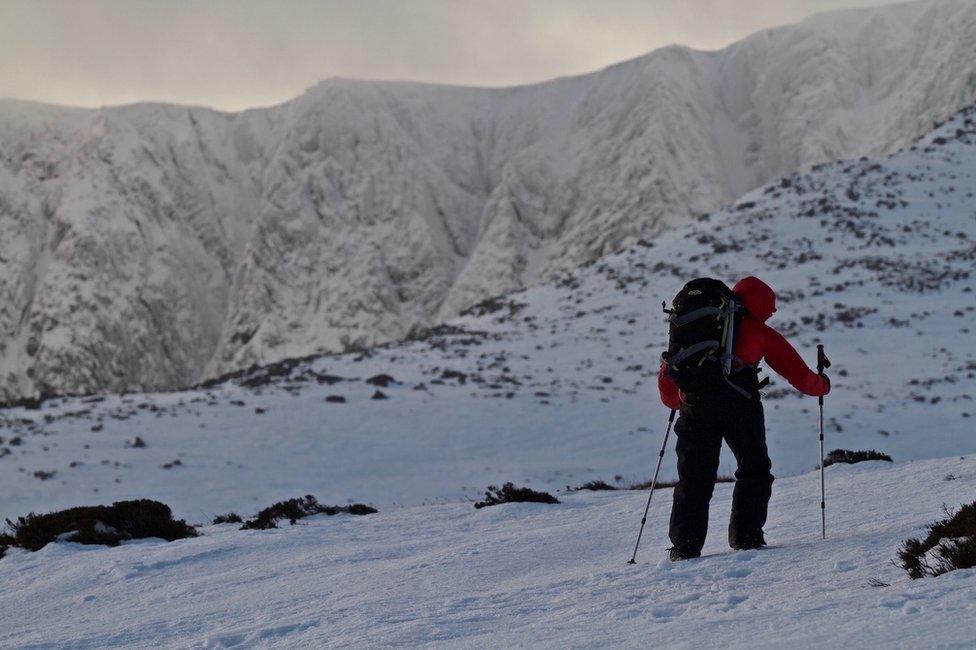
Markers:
<point>234,54</point>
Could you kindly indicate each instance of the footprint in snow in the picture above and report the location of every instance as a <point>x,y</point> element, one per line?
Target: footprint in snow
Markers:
<point>245,639</point>
<point>738,572</point>
<point>142,568</point>
<point>744,556</point>
<point>663,611</point>
<point>733,600</point>
<point>688,599</point>
<point>624,614</point>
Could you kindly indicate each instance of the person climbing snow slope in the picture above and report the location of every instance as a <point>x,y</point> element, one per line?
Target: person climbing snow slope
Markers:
<point>731,411</point>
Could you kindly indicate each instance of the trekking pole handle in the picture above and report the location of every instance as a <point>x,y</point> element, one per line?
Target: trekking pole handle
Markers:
<point>822,360</point>
<point>822,363</point>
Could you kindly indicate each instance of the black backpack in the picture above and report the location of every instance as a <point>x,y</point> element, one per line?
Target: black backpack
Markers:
<point>702,324</point>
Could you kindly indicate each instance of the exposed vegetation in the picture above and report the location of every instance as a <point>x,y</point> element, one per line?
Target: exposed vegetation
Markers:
<point>229,518</point>
<point>508,493</point>
<point>109,525</point>
<point>949,545</point>
<point>6,541</point>
<point>851,457</point>
<point>595,486</point>
<point>299,508</point>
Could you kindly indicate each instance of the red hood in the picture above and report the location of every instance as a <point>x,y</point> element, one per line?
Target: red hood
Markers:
<point>757,297</point>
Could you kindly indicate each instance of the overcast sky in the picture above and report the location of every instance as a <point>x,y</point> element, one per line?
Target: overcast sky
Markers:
<point>234,54</point>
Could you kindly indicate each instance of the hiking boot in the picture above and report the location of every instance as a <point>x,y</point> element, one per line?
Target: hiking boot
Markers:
<point>746,541</point>
<point>749,546</point>
<point>676,556</point>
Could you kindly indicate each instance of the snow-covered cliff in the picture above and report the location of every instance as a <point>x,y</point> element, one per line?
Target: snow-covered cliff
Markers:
<point>148,246</point>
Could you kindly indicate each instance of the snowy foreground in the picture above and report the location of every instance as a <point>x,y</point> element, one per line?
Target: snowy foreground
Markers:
<point>519,574</point>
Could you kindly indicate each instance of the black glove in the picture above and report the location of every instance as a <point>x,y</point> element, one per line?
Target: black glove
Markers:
<point>826,379</point>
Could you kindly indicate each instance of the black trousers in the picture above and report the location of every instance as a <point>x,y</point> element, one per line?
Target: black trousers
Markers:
<point>704,421</point>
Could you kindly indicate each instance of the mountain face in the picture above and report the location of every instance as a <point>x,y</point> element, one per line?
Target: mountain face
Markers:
<point>556,385</point>
<point>150,246</point>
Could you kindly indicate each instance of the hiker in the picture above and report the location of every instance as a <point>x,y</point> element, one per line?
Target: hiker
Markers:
<point>729,410</point>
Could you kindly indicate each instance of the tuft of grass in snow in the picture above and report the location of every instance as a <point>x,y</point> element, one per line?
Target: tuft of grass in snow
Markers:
<point>229,518</point>
<point>950,545</point>
<point>508,493</point>
<point>299,508</point>
<point>109,525</point>
<point>594,486</point>
<point>6,541</point>
<point>851,457</point>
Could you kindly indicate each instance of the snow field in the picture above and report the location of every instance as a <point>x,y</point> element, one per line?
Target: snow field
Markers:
<point>519,574</point>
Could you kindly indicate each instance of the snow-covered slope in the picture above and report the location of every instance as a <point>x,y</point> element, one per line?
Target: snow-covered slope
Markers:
<point>555,385</point>
<point>519,575</point>
<point>148,246</point>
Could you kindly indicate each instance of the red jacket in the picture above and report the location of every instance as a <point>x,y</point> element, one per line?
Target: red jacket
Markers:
<point>756,341</point>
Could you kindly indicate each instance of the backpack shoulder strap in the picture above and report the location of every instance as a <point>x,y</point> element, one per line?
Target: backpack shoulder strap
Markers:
<point>701,312</point>
<point>684,353</point>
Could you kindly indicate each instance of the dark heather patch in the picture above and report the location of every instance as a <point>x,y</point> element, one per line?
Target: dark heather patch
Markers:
<point>595,486</point>
<point>299,508</point>
<point>381,380</point>
<point>949,545</point>
<point>508,493</point>
<point>851,457</point>
<point>229,518</point>
<point>108,525</point>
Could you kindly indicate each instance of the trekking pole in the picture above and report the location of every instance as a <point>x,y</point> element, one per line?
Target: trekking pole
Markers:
<point>822,362</point>
<point>633,559</point>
